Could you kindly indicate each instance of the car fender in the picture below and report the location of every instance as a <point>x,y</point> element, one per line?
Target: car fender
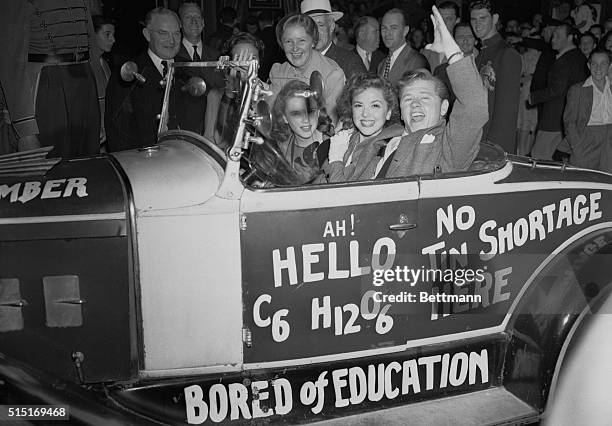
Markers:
<point>580,388</point>
<point>552,304</point>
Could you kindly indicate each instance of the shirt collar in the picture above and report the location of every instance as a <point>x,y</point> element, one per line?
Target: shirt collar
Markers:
<point>189,46</point>
<point>589,82</point>
<point>496,38</point>
<point>360,51</point>
<point>157,61</point>
<point>564,51</point>
<point>324,52</point>
<point>396,52</point>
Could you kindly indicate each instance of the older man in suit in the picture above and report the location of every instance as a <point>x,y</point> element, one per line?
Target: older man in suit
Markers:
<point>132,109</point>
<point>367,37</point>
<point>402,58</point>
<point>320,11</point>
<point>588,116</point>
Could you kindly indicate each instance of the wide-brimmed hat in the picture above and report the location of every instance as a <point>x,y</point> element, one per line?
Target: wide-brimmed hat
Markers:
<point>319,7</point>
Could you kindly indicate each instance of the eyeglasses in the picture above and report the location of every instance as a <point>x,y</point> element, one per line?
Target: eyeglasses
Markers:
<point>166,35</point>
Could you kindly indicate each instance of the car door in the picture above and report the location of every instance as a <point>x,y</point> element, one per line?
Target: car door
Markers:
<point>307,260</point>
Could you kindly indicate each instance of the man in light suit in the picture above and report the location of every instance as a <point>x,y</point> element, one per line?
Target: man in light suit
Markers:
<point>367,36</point>
<point>588,116</point>
<point>402,58</point>
<point>320,11</point>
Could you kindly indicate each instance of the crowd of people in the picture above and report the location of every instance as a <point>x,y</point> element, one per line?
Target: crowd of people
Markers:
<point>420,102</point>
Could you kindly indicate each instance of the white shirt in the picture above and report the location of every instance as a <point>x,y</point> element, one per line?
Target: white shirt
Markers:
<point>601,111</point>
<point>324,51</point>
<point>157,61</point>
<point>366,57</point>
<point>389,149</point>
<point>189,46</point>
<point>395,54</point>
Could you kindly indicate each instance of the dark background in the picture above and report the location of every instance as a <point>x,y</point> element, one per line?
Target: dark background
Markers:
<point>129,14</point>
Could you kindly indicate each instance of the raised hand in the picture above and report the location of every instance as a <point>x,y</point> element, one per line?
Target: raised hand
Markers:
<point>443,39</point>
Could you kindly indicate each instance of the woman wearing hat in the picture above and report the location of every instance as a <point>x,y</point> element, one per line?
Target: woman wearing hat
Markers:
<point>298,35</point>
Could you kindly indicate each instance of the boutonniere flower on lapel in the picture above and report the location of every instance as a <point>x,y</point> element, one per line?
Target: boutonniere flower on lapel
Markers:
<point>427,138</point>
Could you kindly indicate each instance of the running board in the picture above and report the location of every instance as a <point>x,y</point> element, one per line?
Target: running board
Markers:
<point>494,406</point>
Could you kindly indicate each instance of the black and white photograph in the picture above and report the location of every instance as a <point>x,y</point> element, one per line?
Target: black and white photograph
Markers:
<point>330,212</point>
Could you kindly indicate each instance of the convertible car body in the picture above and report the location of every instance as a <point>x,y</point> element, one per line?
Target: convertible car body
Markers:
<point>156,285</point>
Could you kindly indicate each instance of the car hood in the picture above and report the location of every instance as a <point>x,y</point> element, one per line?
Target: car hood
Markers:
<point>175,173</point>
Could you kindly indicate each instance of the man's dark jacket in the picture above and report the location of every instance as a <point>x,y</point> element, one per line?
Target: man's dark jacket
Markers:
<point>377,57</point>
<point>132,108</point>
<point>500,66</point>
<point>193,109</point>
<point>350,62</point>
<point>566,71</point>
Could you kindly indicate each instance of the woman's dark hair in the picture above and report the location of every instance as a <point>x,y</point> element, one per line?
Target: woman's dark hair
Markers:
<point>357,84</point>
<point>99,21</point>
<point>243,37</point>
<point>281,130</point>
<point>304,21</point>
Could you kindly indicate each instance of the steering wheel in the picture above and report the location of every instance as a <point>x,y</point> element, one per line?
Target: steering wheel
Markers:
<point>267,163</point>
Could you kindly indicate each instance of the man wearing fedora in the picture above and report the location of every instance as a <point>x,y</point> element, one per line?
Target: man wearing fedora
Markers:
<point>320,11</point>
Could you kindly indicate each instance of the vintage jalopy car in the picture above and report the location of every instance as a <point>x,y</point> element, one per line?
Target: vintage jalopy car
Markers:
<point>179,283</point>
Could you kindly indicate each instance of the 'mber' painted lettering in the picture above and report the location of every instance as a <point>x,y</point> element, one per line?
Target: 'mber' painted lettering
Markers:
<point>55,188</point>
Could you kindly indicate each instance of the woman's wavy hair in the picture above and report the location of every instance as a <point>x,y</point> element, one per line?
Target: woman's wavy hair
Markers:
<point>243,37</point>
<point>280,130</point>
<point>305,21</point>
<point>357,84</point>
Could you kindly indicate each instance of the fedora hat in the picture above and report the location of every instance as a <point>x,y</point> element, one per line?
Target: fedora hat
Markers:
<point>319,7</point>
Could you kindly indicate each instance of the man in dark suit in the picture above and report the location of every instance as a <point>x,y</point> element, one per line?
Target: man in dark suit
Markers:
<point>367,37</point>
<point>500,68</point>
<point>402,58</point>
<point>132,109</point>
<point>320,11</point>
<point>588,116</point>
<point>547,55</point>
<point>193,109</point>
<point>568,69</point>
